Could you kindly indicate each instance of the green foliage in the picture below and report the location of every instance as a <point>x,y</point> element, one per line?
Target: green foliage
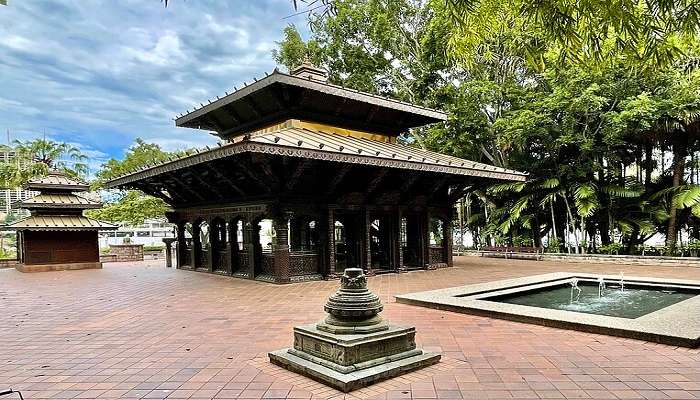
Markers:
<point>612,248</point>
<point>584,106</point>
<point>133,208</point>
<point>154,248</point>
<point>139,155</point>
<point>293,50</point>
<point>651,32</point>
<point>35,158</point>
<point>553,246</point>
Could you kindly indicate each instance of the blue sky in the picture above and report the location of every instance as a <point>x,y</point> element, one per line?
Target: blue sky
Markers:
<point>99,74</point>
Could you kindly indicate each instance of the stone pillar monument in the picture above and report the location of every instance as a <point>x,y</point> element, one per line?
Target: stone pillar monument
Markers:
<point>168,252</point>
<point>353,346</point>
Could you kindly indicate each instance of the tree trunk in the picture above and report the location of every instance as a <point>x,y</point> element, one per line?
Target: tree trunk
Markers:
<point>536,239</point>
<point>554,222</point>
<point>649,164</point>
<point>573,224</point>
<point>680,151</point>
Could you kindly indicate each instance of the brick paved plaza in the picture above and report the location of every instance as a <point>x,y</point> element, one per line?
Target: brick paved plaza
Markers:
<point>144,331</point>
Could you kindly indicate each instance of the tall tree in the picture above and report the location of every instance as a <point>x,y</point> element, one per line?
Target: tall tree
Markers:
<point>132,207</point>
<point>140,154</point>
<point>35,158</point>
<point>646,30</point>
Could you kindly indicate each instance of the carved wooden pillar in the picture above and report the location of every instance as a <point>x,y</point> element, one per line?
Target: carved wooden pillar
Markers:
<point>397,241</point>
<point>321,240</point>
<point>181,246</point>
<point>331,242</point>
<point>303,235</point>
<point>367,242</point>
<point>249,236</point>
<point>232,246</point>
<point>196,245</point>
<point>294,233</point>
<point>208,261</point>
<point>281,248</point>
<point>447,239</point>
<point>425,238</point>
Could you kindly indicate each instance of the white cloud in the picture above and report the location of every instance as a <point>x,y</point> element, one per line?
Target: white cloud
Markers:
<point>173,144</point>
<point>164,52</point>
<point>103,73</point>
<point>17,43</point>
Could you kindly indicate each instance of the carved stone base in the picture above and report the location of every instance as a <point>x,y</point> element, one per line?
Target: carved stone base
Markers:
<point>350,361</point>
<point>353,380</point>
<point>57,267</point>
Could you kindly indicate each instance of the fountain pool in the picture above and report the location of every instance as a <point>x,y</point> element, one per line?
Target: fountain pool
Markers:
<point>651,309</point>
<point>630,302</point>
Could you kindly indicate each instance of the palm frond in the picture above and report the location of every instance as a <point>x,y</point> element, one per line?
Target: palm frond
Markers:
<point>586,199</point>
<point>549,183</point>
<point>515,187</point>
<point>621,192</point>
<point>687,196</point>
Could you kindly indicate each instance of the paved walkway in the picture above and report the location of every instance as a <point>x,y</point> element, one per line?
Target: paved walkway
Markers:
<point>144,331</point>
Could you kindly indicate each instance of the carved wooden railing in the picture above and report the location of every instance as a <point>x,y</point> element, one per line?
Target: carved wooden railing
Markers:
<point>221,260</point>
<point>437,255</point>
<point>267,266</point>
<point>202,262</point>
<point>303,263</point>
<point>186,255</point>
<point>243,262</point>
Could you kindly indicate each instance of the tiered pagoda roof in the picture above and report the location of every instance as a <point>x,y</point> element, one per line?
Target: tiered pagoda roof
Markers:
<point>57,206</point>
<point>306,96</point>
<point>295,138</point>
<point>303,117</point>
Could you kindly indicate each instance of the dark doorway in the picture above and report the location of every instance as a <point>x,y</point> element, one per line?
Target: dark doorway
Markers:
<point>348,240</point>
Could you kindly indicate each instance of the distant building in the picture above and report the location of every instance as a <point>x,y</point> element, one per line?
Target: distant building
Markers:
<point>9,198</point>
<point>150,233</point>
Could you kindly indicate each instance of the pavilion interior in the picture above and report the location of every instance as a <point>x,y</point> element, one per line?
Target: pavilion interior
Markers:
<point>243,215</point>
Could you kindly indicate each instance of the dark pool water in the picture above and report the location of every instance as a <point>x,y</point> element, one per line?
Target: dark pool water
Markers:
<point>633,302</point>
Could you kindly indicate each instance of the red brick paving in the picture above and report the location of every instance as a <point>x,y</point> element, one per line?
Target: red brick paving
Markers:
<point>143,331</point>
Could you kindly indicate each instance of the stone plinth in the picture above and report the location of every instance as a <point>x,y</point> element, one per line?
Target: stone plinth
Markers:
<point>8,263</point>
<point>127,252</point>
<point>353,347</point>
<point>57,267</point>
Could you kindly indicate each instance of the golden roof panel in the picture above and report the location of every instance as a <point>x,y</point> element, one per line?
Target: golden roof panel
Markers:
<point>59,200</point>
<point>59,223</point>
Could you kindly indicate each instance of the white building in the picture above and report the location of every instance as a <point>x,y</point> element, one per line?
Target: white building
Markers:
<point>150,233</point>
<point>9,197</point>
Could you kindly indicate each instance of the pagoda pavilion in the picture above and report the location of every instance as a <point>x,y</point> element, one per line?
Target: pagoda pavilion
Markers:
<point>321,163</point>
<point>57,236</point>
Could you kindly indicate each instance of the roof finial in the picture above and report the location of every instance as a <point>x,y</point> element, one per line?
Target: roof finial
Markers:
<point>308,70</point>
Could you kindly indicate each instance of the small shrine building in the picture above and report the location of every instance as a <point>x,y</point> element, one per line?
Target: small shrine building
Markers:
<point>56,235</point>
<point>322,164</point>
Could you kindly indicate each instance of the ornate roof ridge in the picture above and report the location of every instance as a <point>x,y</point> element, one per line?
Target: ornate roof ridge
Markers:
<point>277,72</point>
<point>258,140</point>
<point>57,179</point>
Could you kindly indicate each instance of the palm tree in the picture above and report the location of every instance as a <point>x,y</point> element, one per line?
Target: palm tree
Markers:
<point>37,157</point>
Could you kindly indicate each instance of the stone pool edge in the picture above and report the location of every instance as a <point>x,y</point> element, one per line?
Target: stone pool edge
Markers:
<point>677,325</point>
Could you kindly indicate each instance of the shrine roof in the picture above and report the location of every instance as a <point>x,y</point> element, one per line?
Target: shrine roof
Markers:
<point>57,180</point>
<point>320,145</point>
<point>281,96</point>
<point>59,223</point>
<point>58,200</point>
